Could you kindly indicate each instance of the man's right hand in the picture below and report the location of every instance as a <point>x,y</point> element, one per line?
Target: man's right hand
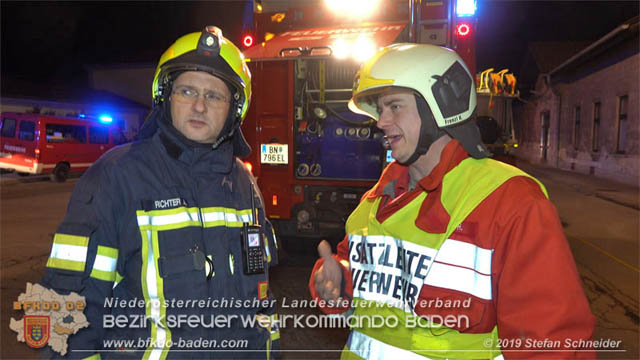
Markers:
<point>328,278</point>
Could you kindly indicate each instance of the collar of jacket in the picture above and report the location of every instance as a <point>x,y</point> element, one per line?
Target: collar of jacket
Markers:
<point>191,153</point>
<point>432,216</point>
<point>452,154</point>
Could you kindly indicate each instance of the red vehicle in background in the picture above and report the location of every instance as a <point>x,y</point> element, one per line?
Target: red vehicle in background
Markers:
<point>45,144</point>
<point>313,158</point>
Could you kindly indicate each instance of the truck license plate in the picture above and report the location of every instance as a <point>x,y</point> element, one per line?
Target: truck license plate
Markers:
<point>274,154</point>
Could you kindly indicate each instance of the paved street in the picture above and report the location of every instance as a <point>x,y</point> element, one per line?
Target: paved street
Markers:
<point>601,224</point>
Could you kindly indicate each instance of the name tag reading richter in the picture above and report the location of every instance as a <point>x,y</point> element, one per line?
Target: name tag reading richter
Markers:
<point>274,154</point>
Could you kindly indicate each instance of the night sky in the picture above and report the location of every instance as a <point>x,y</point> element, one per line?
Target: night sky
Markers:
<point>45,42</point>
<point>50,41</point>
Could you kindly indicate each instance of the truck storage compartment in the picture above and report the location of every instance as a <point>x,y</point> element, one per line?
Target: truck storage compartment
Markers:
<point>331,142</point>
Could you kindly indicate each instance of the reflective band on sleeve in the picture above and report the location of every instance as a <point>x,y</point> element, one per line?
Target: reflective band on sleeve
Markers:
<point>103,275</point>
<point>461,253</point>
<point>104,267</point>
<point>105,263</point>
<point>65,264</point>
<point>69,252</point>
<point>370,348</point>
<point>461,279</point>
<point>66,239</point>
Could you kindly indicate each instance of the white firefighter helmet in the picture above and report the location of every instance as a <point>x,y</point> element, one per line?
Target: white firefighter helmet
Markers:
<point>435,73</point>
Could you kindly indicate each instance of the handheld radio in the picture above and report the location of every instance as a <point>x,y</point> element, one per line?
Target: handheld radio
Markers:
<point>252,253</point>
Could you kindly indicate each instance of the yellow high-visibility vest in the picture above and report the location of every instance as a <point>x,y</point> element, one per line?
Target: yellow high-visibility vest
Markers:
<point>397,258</point>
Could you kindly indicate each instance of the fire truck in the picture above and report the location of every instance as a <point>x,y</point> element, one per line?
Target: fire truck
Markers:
<point>313,158</point>
<point>48,144</point>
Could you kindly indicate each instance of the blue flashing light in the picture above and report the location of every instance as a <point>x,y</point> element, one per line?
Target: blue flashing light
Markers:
<point>107,119</point>
<point>465,8</point>
<point>82,116</point>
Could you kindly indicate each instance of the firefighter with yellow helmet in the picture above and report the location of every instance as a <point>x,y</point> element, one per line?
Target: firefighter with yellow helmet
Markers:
<point>172,227</point>
<point>462,256</point>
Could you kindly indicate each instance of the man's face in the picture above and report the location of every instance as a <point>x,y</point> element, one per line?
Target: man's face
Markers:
<point>400,122</point>
<point>199,106</point>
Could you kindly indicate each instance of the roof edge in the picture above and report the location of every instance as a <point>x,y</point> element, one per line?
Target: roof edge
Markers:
<point>629,24</point>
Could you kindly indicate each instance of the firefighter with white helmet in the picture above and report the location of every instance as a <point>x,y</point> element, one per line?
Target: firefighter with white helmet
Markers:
<point>445,94</point>
<point>163,223</point>
<point>466,254</point>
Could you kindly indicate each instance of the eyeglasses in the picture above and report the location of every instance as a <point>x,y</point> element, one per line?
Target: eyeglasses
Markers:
<point>189,95</point>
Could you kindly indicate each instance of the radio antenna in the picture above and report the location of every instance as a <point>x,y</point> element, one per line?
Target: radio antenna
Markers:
<point>254,210</point>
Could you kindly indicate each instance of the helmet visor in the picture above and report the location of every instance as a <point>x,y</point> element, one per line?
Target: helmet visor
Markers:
<point>366,102</point>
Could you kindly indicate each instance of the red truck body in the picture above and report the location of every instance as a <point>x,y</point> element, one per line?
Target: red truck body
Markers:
<point>313,158</point>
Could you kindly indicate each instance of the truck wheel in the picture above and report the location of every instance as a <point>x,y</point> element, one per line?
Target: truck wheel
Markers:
<point>60,173</point>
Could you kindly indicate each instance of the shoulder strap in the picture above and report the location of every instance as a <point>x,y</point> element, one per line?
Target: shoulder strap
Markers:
<point>254,184</point>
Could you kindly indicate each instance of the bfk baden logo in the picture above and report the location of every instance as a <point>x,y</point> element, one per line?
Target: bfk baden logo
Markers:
<point>49,318</point>
<point>36,330</point>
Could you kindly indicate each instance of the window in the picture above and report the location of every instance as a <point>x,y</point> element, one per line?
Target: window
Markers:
<point>545,135</point>
<point>68,134</point>
<point>623,124</point>
<point>595,132</point>
<point>576,129</point>
<point>98,135</point>
<point>27,130</point>
<point>8,127</point>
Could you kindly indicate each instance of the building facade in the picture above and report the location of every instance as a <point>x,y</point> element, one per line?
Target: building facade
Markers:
<point>132,81</point>
<point>583,115</point>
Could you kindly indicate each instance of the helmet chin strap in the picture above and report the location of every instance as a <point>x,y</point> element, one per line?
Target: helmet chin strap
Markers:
<point>230,125</point>
<point>226,136</point>
<point>429,131</point>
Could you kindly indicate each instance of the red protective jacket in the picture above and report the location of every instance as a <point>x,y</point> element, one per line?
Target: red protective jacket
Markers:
<point>537,294</point>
